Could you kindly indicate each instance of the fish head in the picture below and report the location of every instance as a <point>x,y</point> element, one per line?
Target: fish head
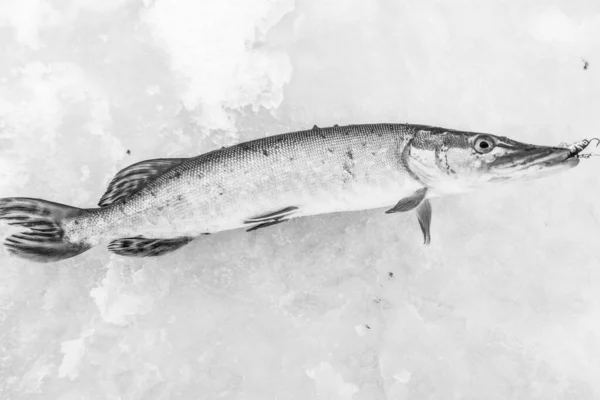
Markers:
<point>453,161</point>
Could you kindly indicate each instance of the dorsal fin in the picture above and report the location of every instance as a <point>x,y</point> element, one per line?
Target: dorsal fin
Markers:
<point>131,179</point>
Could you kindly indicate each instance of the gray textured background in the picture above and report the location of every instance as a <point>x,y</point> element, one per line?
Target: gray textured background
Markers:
<point>504,303</point>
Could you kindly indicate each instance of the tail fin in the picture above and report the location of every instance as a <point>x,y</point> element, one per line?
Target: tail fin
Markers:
<point>45,240</point>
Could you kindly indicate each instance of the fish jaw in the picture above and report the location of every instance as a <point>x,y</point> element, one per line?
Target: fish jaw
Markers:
<point>532,163</point>
<point>540,157</point>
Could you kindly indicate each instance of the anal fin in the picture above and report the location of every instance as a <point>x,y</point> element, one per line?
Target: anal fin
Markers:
<point>145,247</point>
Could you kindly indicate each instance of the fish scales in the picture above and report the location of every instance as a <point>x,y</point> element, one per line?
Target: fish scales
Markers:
<point>318,171</point>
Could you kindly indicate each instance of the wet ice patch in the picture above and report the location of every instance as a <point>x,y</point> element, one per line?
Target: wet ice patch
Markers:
<point>221,72</point>
<point>330,384</point>
<point>74,351</point>
<point>554,25</point>
<point>119,302</point>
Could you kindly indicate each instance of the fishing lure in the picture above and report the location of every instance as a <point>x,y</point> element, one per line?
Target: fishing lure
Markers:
<point>577,147</point>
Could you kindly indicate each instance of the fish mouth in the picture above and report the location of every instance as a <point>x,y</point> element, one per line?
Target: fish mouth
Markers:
<point>541,157</point>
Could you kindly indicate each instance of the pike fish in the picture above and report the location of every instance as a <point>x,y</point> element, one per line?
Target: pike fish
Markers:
<point>157,206</point>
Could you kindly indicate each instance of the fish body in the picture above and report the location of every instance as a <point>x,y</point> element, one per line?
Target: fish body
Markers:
<point>157,206</point>
<point>316,171</point>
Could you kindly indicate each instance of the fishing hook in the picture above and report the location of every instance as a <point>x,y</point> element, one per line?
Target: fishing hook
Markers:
<point>577,147</point>
<point>586,155</point>
<point>592,139</point>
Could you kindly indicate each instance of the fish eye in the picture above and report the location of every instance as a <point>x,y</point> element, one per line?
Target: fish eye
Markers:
<point>484,144</point>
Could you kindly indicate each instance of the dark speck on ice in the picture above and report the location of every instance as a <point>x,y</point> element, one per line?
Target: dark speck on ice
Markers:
<point>128,152</point>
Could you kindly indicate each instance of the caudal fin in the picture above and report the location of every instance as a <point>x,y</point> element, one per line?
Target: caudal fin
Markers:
<point>44,241</point>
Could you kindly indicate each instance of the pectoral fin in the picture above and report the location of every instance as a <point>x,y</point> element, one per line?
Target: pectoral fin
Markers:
<point>424,217</point>
<point>423,207</point>
<point>409,203</point>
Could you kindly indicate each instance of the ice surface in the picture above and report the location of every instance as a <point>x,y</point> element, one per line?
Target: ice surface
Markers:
<point>505,302</point>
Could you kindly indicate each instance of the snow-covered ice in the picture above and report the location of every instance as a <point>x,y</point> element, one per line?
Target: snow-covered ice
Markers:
<point>505,303</point>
